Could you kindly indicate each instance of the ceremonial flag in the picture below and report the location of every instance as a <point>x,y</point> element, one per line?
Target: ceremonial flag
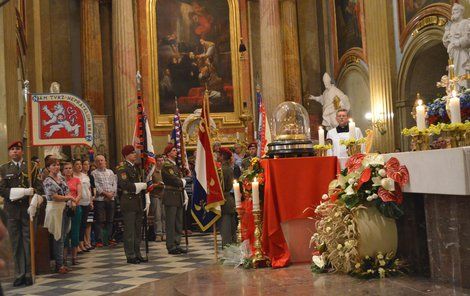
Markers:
<point>177,137</point>
<point>208,194</point>
<point>143,139</point>
<point>264,132</point>
<point>60,119</point>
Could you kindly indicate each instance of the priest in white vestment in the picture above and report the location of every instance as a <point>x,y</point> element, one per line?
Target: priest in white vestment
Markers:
<point>341,132</point>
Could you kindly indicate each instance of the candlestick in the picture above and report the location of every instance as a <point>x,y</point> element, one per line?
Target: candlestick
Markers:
<point>259,260</point>
<point>255,194</point>
<point>352,129</point>
<point>237,193</point>
<point>454,106</point>
<point>240,234</point>
<point>420,116</point>
<point>321,136</point>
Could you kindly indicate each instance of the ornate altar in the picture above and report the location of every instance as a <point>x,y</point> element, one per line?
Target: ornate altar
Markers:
<point>291,131</point>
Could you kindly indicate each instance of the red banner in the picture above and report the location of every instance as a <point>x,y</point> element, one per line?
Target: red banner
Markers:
<point>60,119</point>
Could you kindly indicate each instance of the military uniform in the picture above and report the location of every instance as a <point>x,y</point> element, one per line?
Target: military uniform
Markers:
<point>228,227</point>
<point>131,208</point>
<point>13,175</point>
<point>173,197</point>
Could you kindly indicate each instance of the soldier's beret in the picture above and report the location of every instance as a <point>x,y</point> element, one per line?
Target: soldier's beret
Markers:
<point>253,145</point>
<point>227,154</point>
<point>126,150</point>
<point>168,148</point>
<point>18,144</point>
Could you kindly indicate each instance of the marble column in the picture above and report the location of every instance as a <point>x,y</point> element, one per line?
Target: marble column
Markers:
<point>382,70</point>
<point>124,60</point>
<point>290,41</point>
<point>92,58</point>
<point>272,64</point>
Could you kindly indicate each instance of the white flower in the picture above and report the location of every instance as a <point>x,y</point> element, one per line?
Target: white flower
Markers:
<point>352,181</point>
<point>348,244</point>
<point>358,265</point>
<point>377,181</point>
<point>375,196</point>
<point>370,198</point>
<point>388,184</point>
<point>318,261</point>
<point>373,159</point>
<point>368,191</point>
<point>349,190</point>
<point>381,272</point>
<point>370,271</point>
<point>382,173</point>
<point>324,196</point>
<point>382,262</point>
<point>380,256</point>
<point>339,247</point>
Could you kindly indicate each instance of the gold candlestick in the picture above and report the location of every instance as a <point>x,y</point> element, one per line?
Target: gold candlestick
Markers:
<point>240,212</point>
<point>259,260</point>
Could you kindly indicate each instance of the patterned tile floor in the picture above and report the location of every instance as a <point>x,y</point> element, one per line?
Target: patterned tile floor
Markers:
<point>105,270</point>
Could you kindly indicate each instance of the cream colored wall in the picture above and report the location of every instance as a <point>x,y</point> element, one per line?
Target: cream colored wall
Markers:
<point>3,98</point>
<point>355,84</point>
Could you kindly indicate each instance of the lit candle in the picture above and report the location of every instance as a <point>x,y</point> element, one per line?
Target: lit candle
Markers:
<point>352,129</point>
<point>169,138</point>
<point>238,136</point>
<point>255,194</point>
<point>321,135</point>
<point>238,194</point>
<point>454,106</point>
<point>420,116</point>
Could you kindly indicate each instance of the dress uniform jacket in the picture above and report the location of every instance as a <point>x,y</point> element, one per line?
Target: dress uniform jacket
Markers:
<point>227,178</point>
<point>128,175</point>
<point>173,193</point>
<point>12,176</point>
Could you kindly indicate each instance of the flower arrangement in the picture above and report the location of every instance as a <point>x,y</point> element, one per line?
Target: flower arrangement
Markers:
<point>414,131</point>
<point>323,147</point>
<point>368,179</point>
<point>352,141</point>
<point>255,170</point>
<point>379,266</point>
<point>437,112</point>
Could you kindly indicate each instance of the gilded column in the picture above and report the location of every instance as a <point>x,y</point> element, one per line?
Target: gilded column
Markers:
<point>290,40</point>
<point>272,65</point>
<point>92,57</point>
<point>124,70</point>
<point>382,71</point>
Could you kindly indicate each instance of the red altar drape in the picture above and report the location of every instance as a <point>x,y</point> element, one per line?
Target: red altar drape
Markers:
<point>292,185</point>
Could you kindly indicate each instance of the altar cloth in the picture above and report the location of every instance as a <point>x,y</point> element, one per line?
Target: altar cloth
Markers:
<point>293,188</point>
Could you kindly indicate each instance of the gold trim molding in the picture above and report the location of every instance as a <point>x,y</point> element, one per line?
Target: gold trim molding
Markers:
<point>164,122</point>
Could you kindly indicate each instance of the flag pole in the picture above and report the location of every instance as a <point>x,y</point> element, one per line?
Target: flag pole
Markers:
<point>32,248</point>
<point>140,110</point>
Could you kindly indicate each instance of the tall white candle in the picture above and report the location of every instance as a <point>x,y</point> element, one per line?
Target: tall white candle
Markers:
<point>454,106</point>
<point>420,116</point>
<point>255,194</point>
<point>169,138</point>
<point>352,129</point>
<point>238,136</point>
<point>237,193</point>
<point>321,136</point>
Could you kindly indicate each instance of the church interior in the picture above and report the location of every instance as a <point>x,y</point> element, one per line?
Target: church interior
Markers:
<point>356,109</point>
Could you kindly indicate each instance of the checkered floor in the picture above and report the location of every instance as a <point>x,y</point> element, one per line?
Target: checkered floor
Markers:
<point>105,271</point>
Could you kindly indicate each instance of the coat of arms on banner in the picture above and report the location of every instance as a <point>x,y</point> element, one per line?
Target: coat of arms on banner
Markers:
<point>60,119</point>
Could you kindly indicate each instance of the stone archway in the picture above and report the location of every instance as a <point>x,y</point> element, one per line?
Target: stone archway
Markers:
<point>424,62</point>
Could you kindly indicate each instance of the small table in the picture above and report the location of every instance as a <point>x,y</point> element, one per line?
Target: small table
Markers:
<point>293,188</point>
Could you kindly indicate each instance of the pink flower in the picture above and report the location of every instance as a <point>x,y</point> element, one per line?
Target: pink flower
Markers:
<point>388,196</point>
<point>365,177</point>
<point>355,162</point>
<point>396,172</point>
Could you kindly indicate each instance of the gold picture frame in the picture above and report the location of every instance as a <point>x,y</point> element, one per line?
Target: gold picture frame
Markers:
<point>164,122</point>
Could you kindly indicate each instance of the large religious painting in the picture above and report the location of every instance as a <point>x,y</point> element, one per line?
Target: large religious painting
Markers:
<point>416,14</point>
<point>194,49</point>
<point>348,32</point>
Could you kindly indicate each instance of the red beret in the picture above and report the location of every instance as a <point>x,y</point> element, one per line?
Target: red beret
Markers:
<point>168,148</point>
<point>18,144</point>
<point>225,152</point>
<point>126,150</point>
<point>254,144</point>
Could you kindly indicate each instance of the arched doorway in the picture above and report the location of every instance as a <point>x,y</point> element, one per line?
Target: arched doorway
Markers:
<point>423,64</point>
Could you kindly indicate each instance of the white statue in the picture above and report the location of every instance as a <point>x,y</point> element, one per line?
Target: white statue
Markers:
<point>332,100</point>
<point>457,41</point>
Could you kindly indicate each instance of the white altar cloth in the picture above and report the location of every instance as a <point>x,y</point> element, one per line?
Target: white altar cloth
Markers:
<point>444,171</point>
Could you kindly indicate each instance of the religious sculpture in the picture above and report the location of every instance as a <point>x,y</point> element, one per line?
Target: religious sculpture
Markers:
<point>457,41</point>
<point>332,100</point>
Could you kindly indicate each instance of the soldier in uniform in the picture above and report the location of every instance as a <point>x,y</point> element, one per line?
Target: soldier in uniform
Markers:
<point>14,187</point>
<point>174,200</point>
<point>228,225</point>
<point>252,152</point>
<point>130,187</point>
